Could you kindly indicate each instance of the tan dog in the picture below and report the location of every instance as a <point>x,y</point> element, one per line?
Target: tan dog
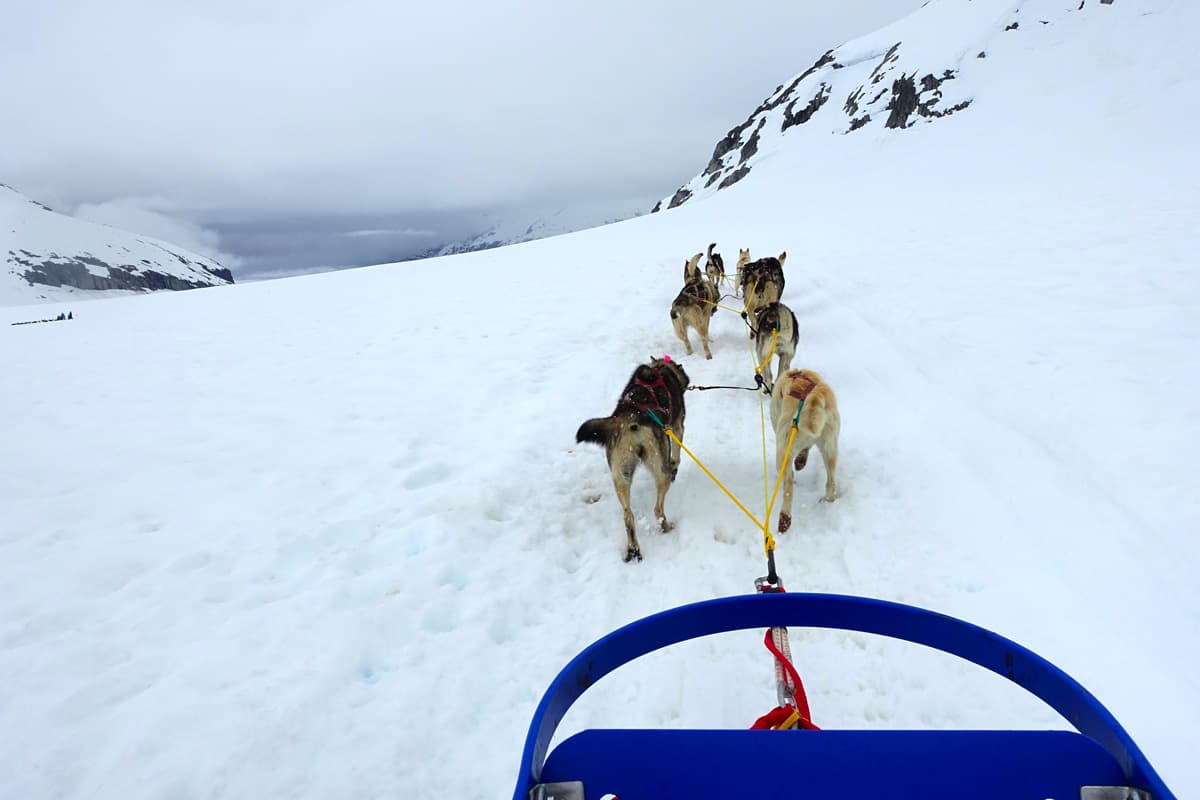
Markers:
<point>776,327</point>
<point>743,260</point>
<point>818,424</point>
<point>691,268</point>
<point>694,306</point>
<point>630,437</point>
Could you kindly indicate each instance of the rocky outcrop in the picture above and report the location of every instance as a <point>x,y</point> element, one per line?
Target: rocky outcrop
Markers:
<point>81,272</point>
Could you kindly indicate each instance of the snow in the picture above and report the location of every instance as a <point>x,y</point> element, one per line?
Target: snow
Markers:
<point>330,536</point>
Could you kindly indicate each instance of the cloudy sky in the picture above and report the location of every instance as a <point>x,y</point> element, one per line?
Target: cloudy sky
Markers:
<point>286,135</point>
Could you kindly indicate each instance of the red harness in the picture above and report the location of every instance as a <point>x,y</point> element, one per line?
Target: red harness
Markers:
<point>646,396</point>
<point>800,385</point>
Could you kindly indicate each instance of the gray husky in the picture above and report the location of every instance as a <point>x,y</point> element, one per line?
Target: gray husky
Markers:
<point>694,306</point>
<point>771,318</point>
<point>631,436</point>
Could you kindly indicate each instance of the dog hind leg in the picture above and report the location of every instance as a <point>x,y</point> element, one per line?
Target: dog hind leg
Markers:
<point>622,475</point>
<point>680,326</point>
<point>702,328</point>
<point>662,482</point>
<point>828,446</point>
<point>789,480</point>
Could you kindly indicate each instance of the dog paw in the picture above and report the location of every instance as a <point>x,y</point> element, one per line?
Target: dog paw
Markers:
<point>785,522</point>
<point>829,498</point>
<point>665,525</point>
<point>801,460</point>
<point>632,554</point>
<point>708,356</point>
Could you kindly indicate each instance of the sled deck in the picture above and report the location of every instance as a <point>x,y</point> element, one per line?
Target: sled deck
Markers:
<point>1099,762</point>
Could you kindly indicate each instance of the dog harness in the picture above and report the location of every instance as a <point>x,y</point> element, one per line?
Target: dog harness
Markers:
<point>770,320</point>
<point>800,385</point>
<point>645,396</point>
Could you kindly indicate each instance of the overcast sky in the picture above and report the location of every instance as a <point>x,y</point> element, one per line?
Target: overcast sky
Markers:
<point>284,135</point>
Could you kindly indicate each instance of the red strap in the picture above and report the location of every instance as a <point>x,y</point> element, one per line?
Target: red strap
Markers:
<point>800,698</point>
<point>772,718</point>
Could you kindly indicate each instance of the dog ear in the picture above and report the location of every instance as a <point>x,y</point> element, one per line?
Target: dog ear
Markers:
<point>782,257</point>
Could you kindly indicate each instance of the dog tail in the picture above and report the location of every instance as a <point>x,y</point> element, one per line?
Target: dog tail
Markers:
<point>815,416</point>
<point>597,431</point>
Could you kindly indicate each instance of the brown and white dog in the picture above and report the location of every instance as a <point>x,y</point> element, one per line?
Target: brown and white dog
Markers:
<point>775,323</point>
<point>804,391</point>
<point>630,437</point>
<point>762,283</point>
<point>714,266</point>
<point>694,306</point>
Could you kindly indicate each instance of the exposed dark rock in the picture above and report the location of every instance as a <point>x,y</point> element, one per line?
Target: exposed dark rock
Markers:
<point>725,146</point>
<point>716,176</point>
<point>1106,2</point>
<point>733,139</point>
<point>751,146</point>
<point>680,197</point>
<point>221,272</point>
<point>888,58</point>
<point>1013,26</point>
<point>906,100</point>
<point>657,207</point>
<point>735,176</point>
<point>903,102</point>
<point>982,54</point>
<point>851,104</point>
<point>791,118</point>
<point>855,124</point>
<point>75,272</point>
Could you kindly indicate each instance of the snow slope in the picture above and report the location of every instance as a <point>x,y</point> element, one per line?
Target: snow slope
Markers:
<point>326,538</point>
<point>52,257</point>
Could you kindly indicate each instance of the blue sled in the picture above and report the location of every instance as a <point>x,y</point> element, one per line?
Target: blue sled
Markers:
<point>1100,762</point>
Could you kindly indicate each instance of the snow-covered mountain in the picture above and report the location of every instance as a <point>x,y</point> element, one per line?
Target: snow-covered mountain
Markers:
<point>508,230</point>
<point>308,557</point>
<point>50,257</point>
<point>921,69</point>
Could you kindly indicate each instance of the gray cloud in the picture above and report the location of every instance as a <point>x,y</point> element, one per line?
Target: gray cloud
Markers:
<point>232,113</point>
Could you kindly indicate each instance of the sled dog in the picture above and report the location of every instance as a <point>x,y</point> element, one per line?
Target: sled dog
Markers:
<point>630,436</point>
<point>762,283</point>
<point>714,267</point>
<point>743,260</point>
<point>694,307</point>
<point>775,322</point>
<point>818,424</point>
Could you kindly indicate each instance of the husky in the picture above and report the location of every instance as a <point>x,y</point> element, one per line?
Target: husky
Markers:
<point>694,306</point>
<point>714,267</point>
<point>691,268</point>
<point>819,423</point>
<point>630,436</point>
<point>743,260</point>
<point>762,283</point>
<point>775,317</point>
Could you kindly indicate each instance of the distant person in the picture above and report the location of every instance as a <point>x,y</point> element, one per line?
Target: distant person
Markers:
<point>70,315</point>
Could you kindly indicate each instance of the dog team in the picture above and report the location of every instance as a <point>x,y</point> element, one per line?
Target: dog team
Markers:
<point>653,399</point>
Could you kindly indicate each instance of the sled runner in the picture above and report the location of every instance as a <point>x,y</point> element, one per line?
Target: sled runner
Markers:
<point>1099,762</point>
